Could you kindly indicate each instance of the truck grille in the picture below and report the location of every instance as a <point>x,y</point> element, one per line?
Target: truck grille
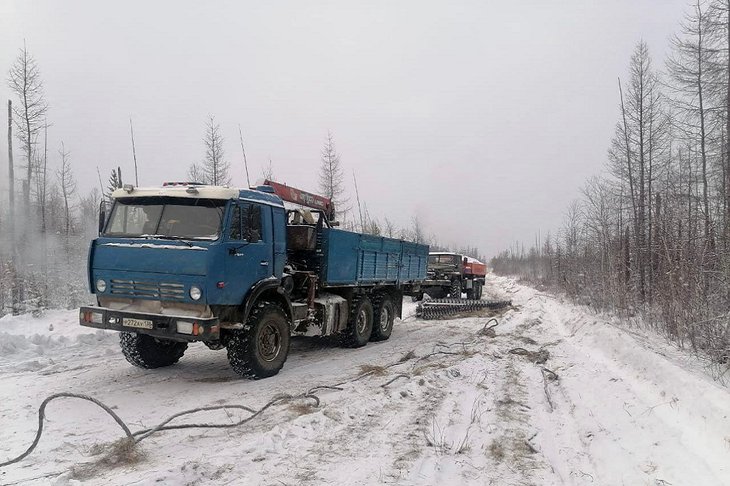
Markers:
<point>151,290</point>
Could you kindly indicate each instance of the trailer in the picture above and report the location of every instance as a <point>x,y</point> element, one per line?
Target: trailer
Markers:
<point>236,269</point>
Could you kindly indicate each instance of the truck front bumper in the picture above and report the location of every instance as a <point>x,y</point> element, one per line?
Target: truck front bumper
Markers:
<point>178,328</point>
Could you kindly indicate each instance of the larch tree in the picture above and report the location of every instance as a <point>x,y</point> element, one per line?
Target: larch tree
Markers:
<point>635,151</point>
<point>331,176</point>
<point>25,82</point>
<point>214,168</point>
<point>67,183</point>
<point>115,182</point>
<point>417,233</point>
<point>689,68</point>
<point>268,172</point>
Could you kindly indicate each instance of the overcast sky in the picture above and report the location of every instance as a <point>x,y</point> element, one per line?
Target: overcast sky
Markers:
<point>484,118</point>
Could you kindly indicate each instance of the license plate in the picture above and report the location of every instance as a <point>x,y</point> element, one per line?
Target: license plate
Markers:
<point>138,323</point>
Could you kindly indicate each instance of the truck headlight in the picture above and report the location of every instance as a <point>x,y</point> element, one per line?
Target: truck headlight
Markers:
<point>195,292</point>
<point>101,286</point>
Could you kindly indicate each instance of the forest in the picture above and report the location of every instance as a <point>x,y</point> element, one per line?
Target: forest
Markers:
<point>650,237</point>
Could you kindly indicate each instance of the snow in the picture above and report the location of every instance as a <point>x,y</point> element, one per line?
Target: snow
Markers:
<point>203,192</point>
<point>626,408</point>
<point>153,245</point>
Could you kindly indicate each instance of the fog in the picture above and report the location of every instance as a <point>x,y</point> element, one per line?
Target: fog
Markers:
<point>482,118</point>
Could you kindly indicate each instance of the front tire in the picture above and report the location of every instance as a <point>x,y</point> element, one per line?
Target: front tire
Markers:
<point>360,323</point>
<point>260,349</point>
<point>147,352</point>
<point>455,292</point>
<point>383,317</point>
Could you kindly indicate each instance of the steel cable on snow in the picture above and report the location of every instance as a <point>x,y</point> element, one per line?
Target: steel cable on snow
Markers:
<point>140,435</point>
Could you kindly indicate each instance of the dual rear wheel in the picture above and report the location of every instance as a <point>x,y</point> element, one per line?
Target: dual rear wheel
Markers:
<point>369,320</point>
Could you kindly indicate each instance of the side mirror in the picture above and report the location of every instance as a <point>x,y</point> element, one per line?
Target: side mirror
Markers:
<point>102,216</point>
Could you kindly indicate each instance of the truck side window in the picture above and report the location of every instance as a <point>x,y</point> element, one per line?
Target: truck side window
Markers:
<point>246,223</point>
<point>236,223</point>
<point>252,224</point>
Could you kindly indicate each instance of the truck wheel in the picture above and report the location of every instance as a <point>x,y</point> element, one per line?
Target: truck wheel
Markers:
<point>455,291</point>
<point>471,293</point>
<point>360,323</point>
<point>259,350</point>
<point>384,315</point>
<point>478,290</point>
<point>147,352</point>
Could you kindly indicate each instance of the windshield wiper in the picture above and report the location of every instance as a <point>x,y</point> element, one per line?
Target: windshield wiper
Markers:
<point>176,238</point>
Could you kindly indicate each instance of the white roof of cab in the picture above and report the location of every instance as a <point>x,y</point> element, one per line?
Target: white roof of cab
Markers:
<point>470,259</point>
<point>204,192</point>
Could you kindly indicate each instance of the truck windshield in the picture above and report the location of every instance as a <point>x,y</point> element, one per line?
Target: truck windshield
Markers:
<point>448,259</point>
<point>165,217</point>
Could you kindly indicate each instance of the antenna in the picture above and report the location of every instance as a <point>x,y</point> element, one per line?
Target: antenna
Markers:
<point>357,195</point>
<point>134,153</point>
<point>245,163</point>
<point>101,185</point>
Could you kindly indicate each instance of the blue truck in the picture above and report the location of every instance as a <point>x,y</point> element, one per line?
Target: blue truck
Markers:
<point>236,269</point>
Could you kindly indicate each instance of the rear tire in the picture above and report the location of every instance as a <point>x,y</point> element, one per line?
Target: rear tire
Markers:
<point>383,318</point>
<point>478,290</point>
<point>147,352</point>
<point>360,323</point>
<point>260,349</point>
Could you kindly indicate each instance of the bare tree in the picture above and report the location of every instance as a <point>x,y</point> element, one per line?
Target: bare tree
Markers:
<point>636,152</point>
<point>268,172</point>
<point>688,67</point>
<point>418,235</point>
<point>214,167</point>
<point>196,174</point>
<point>42,179</point>
<point>11,177</point>
<point>89,211</point>
<point>115,182</point>
<point>68,187</point>
<point>390,230</point>
<point>25,81</point>
<point>331,176</point>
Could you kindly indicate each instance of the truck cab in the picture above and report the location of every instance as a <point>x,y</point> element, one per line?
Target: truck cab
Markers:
<point>453,274</point>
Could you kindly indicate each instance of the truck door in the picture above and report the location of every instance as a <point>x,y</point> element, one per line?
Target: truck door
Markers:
<point>249,255</point>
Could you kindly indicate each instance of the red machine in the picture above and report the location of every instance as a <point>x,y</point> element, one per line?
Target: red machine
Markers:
<point>297,196</point>
<point>474,267</point>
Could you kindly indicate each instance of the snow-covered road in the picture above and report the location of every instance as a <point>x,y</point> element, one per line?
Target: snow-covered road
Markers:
<point>439,403</point>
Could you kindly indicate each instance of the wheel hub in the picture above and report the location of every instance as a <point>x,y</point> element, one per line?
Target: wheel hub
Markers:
<point>362,321</point>
<point>269,342</point>
<point>384,319</point>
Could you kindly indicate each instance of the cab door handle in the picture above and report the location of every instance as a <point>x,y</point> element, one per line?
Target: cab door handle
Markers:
<point>264,263</point>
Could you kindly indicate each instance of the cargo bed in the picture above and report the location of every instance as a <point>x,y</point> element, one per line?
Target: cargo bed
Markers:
<point>350,259</point>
